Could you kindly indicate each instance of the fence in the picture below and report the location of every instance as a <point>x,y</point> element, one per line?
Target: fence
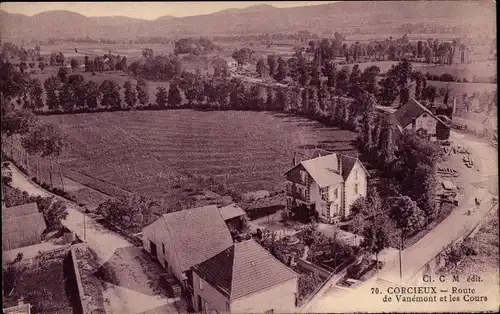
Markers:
<point>45,170</point>
<point>438,258</point>
<point>322,272</point>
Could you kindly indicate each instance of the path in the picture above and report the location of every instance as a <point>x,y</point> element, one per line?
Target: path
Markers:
<point>417,255</point>
<point>105,244</point>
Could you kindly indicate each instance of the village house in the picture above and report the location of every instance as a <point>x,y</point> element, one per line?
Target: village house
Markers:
<point>417,117</point>
<point>183,239</point>
<point>244,278</point>
<point>22,226</point>
<point>326,183</point>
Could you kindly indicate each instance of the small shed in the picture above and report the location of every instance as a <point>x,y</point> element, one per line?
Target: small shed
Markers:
<point>448,185</point>
<point>233,215</point>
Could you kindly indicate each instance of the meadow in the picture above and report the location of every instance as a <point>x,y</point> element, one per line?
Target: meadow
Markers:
<point>152,152</point>
<point>468,71</point>
<point>119,77</point>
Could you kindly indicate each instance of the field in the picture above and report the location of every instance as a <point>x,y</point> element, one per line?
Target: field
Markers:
<point>119,77</point>
<point>479,69</point>
<point>152,152</point>
<point>458,89</point>
<point>131,51</point>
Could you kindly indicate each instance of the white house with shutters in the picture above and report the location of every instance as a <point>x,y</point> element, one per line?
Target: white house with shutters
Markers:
<point>327,183</point>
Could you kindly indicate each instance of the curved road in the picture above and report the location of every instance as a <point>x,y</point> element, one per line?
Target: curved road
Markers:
<point>126,298</point>
<point>483,185</point>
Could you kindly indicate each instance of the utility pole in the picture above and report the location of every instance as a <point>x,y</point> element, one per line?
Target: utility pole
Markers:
<point>400,264</point>
<point>84,229</point>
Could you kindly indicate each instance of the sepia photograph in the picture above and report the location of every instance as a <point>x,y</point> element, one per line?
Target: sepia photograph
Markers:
<point>249,157</point>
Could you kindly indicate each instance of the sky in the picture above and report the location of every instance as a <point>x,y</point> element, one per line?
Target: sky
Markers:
<point>142,10</point>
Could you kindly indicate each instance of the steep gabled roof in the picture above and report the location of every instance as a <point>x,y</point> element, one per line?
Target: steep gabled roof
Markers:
<point>231,211</point>
<point>242,269</point>
<point>18,211</point>
<point>198,234</point>
<point>411,110</point>
<point>22,227</point>
<point>348,163</point>
<point>323,170</point>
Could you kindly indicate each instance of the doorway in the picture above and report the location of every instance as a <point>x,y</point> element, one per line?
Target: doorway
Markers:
<point>154,252</point>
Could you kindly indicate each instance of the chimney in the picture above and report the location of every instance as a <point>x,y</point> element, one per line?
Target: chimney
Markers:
<point>20,301</point>
<point>294,160</point>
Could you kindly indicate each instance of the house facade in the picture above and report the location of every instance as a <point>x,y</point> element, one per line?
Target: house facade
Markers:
<point>415,116</point>
<point>327,183</point>
<point>245,278</point>
<point>183,239</point>
<point>418,118</point>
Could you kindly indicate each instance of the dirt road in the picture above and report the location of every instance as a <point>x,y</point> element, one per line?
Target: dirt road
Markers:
<point>483,185</point>
<point>134,286</point>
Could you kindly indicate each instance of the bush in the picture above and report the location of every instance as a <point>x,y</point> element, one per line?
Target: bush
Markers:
<point>308,283</point>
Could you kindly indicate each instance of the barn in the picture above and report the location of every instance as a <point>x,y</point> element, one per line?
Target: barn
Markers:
<point>183,239</point>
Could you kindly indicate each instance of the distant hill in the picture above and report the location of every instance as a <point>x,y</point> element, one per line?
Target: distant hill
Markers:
<point>338,16</point>
<point>115,20</point>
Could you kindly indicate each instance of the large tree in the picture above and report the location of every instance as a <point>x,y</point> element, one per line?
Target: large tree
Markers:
<point>161,97</point>
<point>375,239</point>
<point>282,70</point>
<point>272,62</point>
<point>130,94</point>
<point>142,92</point>
<point>91,94</point>
<point>74,64</point>
<point>18,121</point>
<point>408,216</point>
<point>36,92</point>
<point>369,79</point>
<point>262,68</point>
<point>342,81</point>
<point>110,92</point>
<point>242,56</point>
<point>174,96</point>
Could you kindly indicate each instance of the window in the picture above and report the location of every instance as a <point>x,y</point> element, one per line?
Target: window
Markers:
<point>303,176</point>
<point>324,194</point>
<point>335,209</point>
<point>227,306</point>
<point>336,193</point>
<point>201,283</point>
<point>356,189</point>
<point>356,174</point>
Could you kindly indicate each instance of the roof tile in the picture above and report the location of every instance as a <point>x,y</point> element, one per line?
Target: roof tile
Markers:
<point>244,268</point>
<point>198,234</point>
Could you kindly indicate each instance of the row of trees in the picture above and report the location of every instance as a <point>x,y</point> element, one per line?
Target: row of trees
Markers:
<point>194,46</point>
<point>108,62</point>
<point>156,68</point>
